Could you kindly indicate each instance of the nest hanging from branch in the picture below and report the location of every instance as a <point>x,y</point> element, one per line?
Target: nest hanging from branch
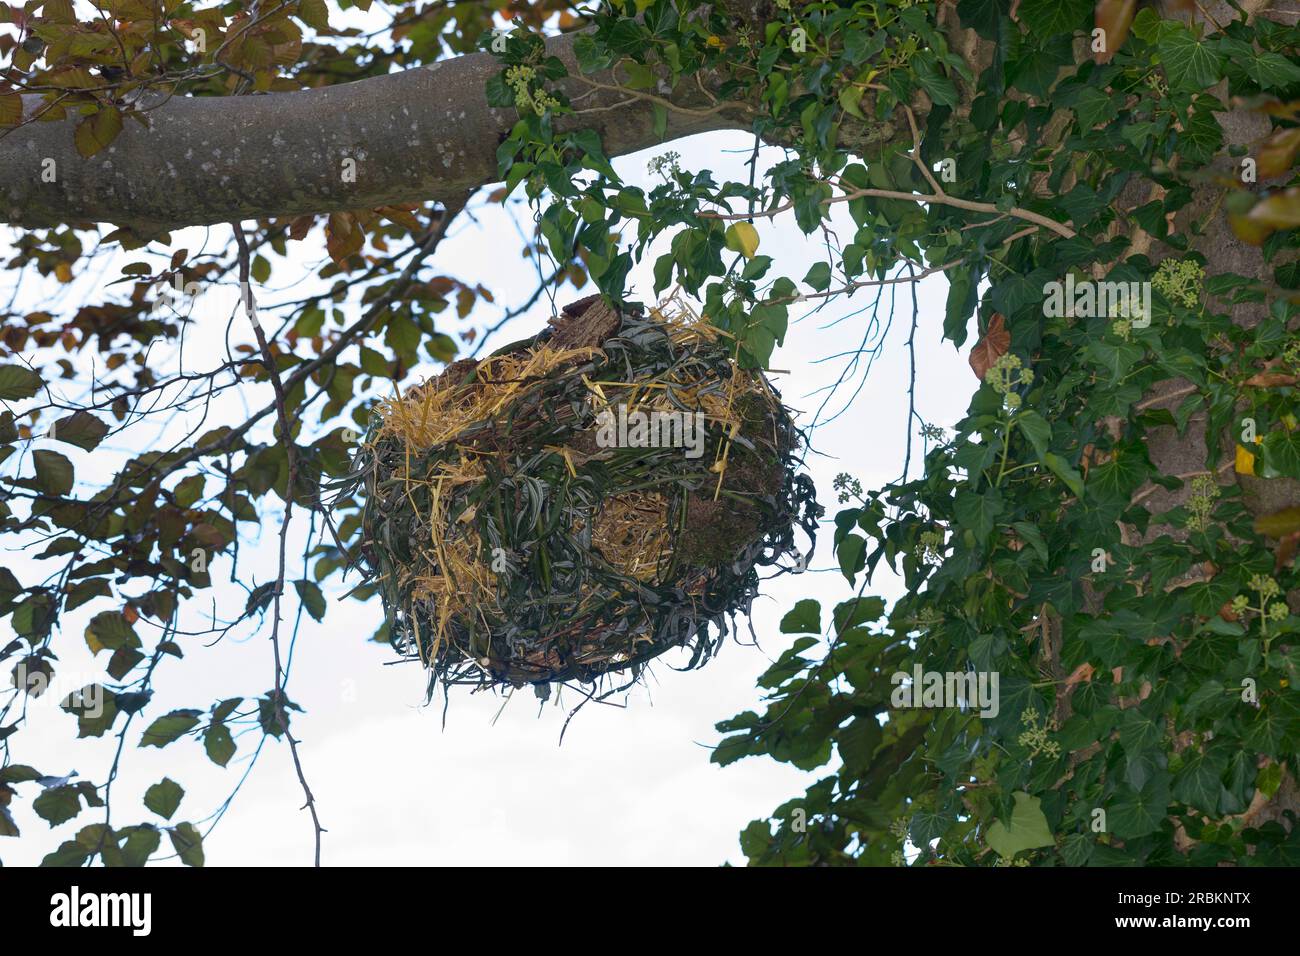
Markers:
<point>524,525</point>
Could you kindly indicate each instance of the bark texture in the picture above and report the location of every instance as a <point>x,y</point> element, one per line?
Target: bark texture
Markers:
<point>422,134</point>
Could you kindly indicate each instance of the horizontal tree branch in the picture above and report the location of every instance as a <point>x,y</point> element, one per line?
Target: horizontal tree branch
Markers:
<point>419,135</point>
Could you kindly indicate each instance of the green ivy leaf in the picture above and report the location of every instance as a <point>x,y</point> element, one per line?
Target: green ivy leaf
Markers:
<point>1027,830</point>
<point>1282,452</point>
<point>1190,63</point>
<point>804,618</point>
<point>313,600</point>
<point>852,555</point>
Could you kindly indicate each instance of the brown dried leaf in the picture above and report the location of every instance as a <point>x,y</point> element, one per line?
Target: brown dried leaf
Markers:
<point>1270,380</point>
<point>1277,154</point>
<point>1115,17</point>
<point>1080,675</point>
<point>1281,210</point>
<point>991,347</point>
<point>299,228</point>
<point>1286,550</point>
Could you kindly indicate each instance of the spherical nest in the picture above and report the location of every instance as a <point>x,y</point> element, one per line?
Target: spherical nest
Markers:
<point>523,526</point>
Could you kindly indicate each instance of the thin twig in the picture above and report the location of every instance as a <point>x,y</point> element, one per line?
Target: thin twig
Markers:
<point>291,457</point>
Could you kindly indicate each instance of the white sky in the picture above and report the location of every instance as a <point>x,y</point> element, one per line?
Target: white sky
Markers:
<point>630,785</point>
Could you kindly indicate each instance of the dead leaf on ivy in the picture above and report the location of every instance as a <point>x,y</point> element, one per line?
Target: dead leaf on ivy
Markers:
<point>991,347</point>
<point>1113,17</point>
<point>1286,550</point>
<point>1270,380</point>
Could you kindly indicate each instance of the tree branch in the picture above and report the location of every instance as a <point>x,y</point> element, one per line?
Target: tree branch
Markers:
<point>423,134</point>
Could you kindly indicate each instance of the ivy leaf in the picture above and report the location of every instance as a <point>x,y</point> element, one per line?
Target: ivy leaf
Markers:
<point>742,237</point>
<point>1117,479</point>
<point>164,797</point>
<point>312,598</point>
<point>819,277</point>
<point>978,512</point>
<point>852,554</point>
<point>855,611</point>
<point>982,16</point>
<point>1199,782</point>
<point>1269,779</point>
<point>927,826</point>
<point>1027,830</point>
<point>1271,70</point>
<point>1201,137</point>
<point>804,618</point>
<point>1191,64</point>
<point>1049,18</point>
<point>1282,452</point>
<point>962,299</point>
<point>940,87</point>
<point>1137,812</point>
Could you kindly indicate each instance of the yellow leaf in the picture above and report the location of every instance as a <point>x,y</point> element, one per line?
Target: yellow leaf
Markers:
<point>93,642</point>
<point>742,238</point>
<point>1245,464</point>
<point>63,272</point>
<point>1279,524</point>
<point>1280,210</point>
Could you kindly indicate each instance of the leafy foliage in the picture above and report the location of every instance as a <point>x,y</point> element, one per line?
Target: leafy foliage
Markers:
<point>1141,712</point>
<point>1140,613</point>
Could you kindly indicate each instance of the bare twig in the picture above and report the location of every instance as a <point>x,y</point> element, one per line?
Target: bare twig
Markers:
<point>286,436</point>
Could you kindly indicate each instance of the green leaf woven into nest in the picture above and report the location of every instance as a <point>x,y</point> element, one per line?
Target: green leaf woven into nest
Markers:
<point>510,546</point>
